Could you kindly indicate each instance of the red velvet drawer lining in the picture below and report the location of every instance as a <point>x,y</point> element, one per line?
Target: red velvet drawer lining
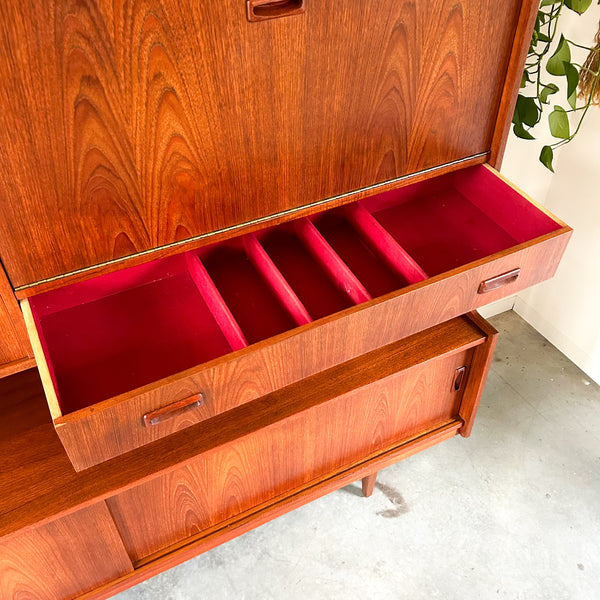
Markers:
<point>119,331</point>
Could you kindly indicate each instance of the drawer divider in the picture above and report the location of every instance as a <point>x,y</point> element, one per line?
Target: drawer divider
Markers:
<point>266,267</point>
<point>330,260</point>
<point>217,306</point>
<point>384,244</point>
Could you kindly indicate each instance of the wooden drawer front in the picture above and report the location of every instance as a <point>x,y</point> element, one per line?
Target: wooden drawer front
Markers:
<point>240,319</point>
<point>141,147</point>
<point>287,455</point>
<point>63,558</point>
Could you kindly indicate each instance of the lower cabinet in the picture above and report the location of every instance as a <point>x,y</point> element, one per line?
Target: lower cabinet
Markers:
<point>64,558</point>
<point>253,463</point>
<point>288,455</point>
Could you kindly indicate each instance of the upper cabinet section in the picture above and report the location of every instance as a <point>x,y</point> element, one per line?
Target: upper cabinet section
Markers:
<point>130,125</point>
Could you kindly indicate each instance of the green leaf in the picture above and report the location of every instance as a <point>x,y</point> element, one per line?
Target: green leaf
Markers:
<point>521,132</point>
<point>516,117</point>
<point>559,123</point>
<point>547,90</point>
<point>548,2</point>
<point>572,75</point>
<point>535,37</point>
<point>542,37</point>
<point>562,55</point>
<point>525,79</point>
<point>546,157</point>
<point>579,6</point>
<point>527,111</point>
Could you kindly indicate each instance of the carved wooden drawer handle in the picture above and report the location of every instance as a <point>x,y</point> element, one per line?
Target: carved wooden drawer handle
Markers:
<point>261,10</point>
<point>500,280</point>
<point>172,410</point>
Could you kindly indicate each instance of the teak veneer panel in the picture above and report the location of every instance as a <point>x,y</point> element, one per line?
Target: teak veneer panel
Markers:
<point>38,483</point>
<point>128,128</point>
<point>64,558</point>
<point>287,455</point>
<point>15,349</point>
<point>178,553</point>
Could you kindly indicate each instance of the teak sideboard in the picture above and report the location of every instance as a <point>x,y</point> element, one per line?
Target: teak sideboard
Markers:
<point>244,242</point>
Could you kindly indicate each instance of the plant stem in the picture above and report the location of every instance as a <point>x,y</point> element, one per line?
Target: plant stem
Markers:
<point>584,47</point>
<point>582,68</point>
<point>587,106</point>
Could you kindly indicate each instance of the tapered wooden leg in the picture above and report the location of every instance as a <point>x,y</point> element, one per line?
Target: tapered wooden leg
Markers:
<point>368,484</point>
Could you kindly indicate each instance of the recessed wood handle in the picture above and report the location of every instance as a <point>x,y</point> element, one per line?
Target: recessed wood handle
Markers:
<point>459,375</point>
<point>497,282</point>
<point>172,410</point>
<point>261,10</point>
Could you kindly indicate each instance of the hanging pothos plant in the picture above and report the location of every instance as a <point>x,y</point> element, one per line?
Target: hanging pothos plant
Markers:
<point>549,57</point>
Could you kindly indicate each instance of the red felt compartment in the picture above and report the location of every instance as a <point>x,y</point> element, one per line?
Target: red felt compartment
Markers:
<point>372,272</point>
<point>444,231</point>
<point>107,285</point>
<point>458,219</point>
<point>120,331</point>
<point>117,343</point>
<point>312,285</point>
<point>266,267</point>
<point>248,296</point>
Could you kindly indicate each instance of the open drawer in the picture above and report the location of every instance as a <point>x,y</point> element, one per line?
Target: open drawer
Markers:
<point>133,356</point>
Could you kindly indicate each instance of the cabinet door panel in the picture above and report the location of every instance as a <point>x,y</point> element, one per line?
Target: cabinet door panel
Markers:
<point>130,126</point>
<point>275,460</point>
<point>63,558</point>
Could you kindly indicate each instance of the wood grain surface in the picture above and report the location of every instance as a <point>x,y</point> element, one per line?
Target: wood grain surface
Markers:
<point>89,434</point>
<point>220,235</point>
<point>480,366</point>
<point>16,366</point>
<point>15,349</point>
<point>38,483</point>
<point>260,515</point>
<point>64,558</point>
<point>512,83</point>
<point>286,456</point>
<point>128,126</point>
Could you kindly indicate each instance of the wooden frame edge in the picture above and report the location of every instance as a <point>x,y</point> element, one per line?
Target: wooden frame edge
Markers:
<point>16,366</point>
<point>512,81</point>
<point>478,372</point>
<point>527,197</point>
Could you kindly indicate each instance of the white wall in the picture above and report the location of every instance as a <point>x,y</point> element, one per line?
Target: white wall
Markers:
<point>566,310</point>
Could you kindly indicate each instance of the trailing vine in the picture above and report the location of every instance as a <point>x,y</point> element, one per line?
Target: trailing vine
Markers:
<point>546,57</point>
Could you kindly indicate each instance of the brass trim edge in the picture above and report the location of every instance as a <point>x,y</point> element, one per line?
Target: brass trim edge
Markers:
<point>265,219</point>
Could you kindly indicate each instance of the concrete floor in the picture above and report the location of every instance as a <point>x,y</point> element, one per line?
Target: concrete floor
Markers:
<point>512,512</point>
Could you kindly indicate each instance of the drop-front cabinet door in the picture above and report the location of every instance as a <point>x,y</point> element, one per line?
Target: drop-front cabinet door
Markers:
<point>130,125</point>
